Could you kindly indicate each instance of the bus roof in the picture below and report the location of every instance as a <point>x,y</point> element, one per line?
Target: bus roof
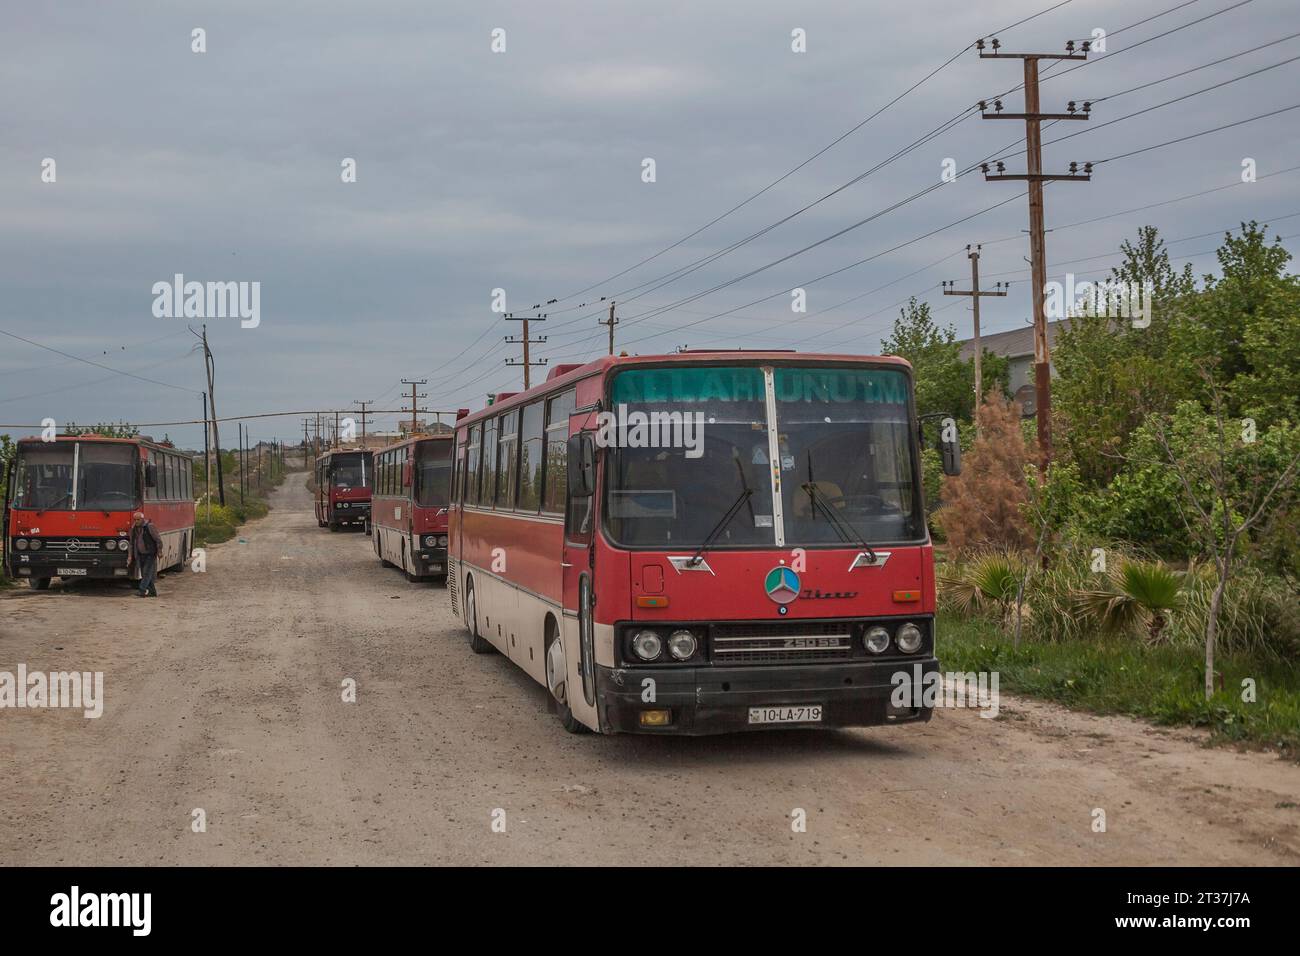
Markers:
<point>345,451</point>
<point>108,440</point>
<point>415,440</point>
<point>564,375</point>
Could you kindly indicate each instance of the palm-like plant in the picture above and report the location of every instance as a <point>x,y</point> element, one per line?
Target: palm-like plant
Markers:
<point>985,583</point>
<point>1137,593</point>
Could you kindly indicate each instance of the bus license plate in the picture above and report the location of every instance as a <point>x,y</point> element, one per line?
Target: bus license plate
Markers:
<point>807,713</point>
<point>71,572</point>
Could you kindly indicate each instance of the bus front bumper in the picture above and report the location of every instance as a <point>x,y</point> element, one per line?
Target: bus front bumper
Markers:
<point>354,512</point>
<point>72,565</point>
<point>718,700</point>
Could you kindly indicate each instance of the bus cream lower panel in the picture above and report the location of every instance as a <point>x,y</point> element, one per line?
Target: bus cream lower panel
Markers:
<point>391,544</point>
<point>514,620</point>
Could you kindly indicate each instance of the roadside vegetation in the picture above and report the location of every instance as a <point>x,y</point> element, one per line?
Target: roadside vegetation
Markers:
<point>1154,568</point>
<point>215,522</point>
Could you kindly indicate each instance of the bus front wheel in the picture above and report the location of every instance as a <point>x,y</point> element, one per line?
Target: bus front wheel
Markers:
<point>40,584</point>
<point>477,643</point>
<point>557,680</point>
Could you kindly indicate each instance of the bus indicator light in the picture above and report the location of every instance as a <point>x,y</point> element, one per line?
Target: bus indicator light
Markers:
<point>907,597</point>
<point>645,600</point>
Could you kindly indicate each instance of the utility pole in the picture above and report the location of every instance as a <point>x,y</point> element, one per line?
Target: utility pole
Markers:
<point>337,443</point>
<point>241,464</point>
<point>207,459</point>
<point>1035,177</point>
<point>210,366</point>
<point>415,401</point>
<point>611,322</point>
<point>306,437</point>
<point>524,340</point>
<point>973,253</point>
<point>363,418</point>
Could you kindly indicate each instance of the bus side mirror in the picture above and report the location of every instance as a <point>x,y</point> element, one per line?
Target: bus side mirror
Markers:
<point>582,466</point>
<point>950,447</point>
<point>150,476</point>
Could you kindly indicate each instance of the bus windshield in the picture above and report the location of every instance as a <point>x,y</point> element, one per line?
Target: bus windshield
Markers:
<point>841,437</point>
<point>105,480</point>
<point>350,472</point>
<point>433,474</point>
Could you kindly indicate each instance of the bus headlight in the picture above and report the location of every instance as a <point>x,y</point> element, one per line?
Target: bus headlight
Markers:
<point>110,544</point>
<point>442,541</point>
<point>647,645</point>
<point>908,638</point>
<point>876,640</point>
<point>682,645</point>
<point>20,544</point>
<point>430,540</point>
<point>35,544</point>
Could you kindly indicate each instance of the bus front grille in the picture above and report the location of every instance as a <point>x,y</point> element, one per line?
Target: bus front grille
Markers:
<point>781,643</point>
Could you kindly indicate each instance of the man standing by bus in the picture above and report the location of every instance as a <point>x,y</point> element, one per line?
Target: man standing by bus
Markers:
<point>145,545</point>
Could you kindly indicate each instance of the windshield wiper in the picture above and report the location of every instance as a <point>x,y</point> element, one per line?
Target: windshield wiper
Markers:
<point>725,520</point>
<point>841,524</point>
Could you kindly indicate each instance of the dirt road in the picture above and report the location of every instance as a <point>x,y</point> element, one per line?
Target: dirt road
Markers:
<point>225,696</point>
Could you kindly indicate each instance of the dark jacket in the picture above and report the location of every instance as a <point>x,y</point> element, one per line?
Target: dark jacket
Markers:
<point>145,539</point>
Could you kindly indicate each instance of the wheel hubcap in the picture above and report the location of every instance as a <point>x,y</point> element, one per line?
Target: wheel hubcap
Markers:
<point>556,670</point>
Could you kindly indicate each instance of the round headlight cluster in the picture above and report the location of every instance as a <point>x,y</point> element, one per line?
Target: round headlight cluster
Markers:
<point>442,541</point>
<point>682,645</point>
<point>908,638</point>
<point>876,640</point>
<point>110,544</point>
<point>430,540</point>
<point>20,544</point>
<point>647,645</point>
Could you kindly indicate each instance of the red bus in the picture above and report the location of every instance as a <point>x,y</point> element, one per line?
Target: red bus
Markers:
<point>702,542</point>
<point>409,506</point>
<point>69,504</point>
<point>343,479</point>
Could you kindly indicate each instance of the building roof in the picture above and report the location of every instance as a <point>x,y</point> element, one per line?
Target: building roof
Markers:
<point>1016,343</point>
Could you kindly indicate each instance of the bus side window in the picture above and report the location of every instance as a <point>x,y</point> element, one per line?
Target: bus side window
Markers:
<point>532,458</point>
<point>508,460</point>
<point>151,494</point>
<point>472,456</point>
<point>554,484</point>
<point>405,474</point>
<point>488,482</point>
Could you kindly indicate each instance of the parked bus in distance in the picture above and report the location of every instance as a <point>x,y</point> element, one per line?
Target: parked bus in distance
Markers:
<point>343,479</point>
<point>702,542</point>
<point>409,506</point>
<point>68,507</point>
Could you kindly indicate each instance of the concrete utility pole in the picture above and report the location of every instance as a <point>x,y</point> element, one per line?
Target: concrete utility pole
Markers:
<point>527,363</point>
<point>363,418</point>
<point>337,442</point>
<point>973,253</point>
<point>306,438</point>
<point>611,322</point>
<point>415,401</point>
<point>1035,177</point>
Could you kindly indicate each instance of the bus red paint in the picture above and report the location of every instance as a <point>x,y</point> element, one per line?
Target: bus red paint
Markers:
<point>409,505</point>
<point>774,569</point>
<point>68,506</point>
<point>343,480</point>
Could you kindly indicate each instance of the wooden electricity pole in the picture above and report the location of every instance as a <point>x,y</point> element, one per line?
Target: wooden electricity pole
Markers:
<point>415,402</point>
<point>527,363</point>
<point>973,253</point>
<point>210,366</point>
<point>611,322</point>
<point>1035,177</point>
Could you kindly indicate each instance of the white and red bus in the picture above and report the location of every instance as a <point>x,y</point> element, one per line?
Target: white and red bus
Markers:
<point>701,542</point>
<point>68,506</point>
<point>408,506</point>
<point>343,479</point>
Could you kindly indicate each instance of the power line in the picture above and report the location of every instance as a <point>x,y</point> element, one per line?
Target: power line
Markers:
<point>107,368</point>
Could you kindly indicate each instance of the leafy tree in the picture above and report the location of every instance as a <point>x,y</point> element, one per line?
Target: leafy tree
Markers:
<point>945,384</point>
<point>106,429</point>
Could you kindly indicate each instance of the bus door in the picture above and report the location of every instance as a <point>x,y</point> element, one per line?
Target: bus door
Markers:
<point>579,546</point>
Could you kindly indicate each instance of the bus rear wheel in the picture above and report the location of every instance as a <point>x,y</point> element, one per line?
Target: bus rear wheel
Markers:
<point>40,584</point>
<point>477,643</point>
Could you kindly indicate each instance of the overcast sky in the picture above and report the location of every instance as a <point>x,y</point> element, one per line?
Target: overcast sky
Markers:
<point>522,170</point>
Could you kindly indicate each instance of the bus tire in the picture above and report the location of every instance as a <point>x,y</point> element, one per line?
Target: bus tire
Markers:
<point>477,643</point>
<point>555,664</point>
<point>334,526</point>
<point>40,584</point>
<point>366,527</point>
